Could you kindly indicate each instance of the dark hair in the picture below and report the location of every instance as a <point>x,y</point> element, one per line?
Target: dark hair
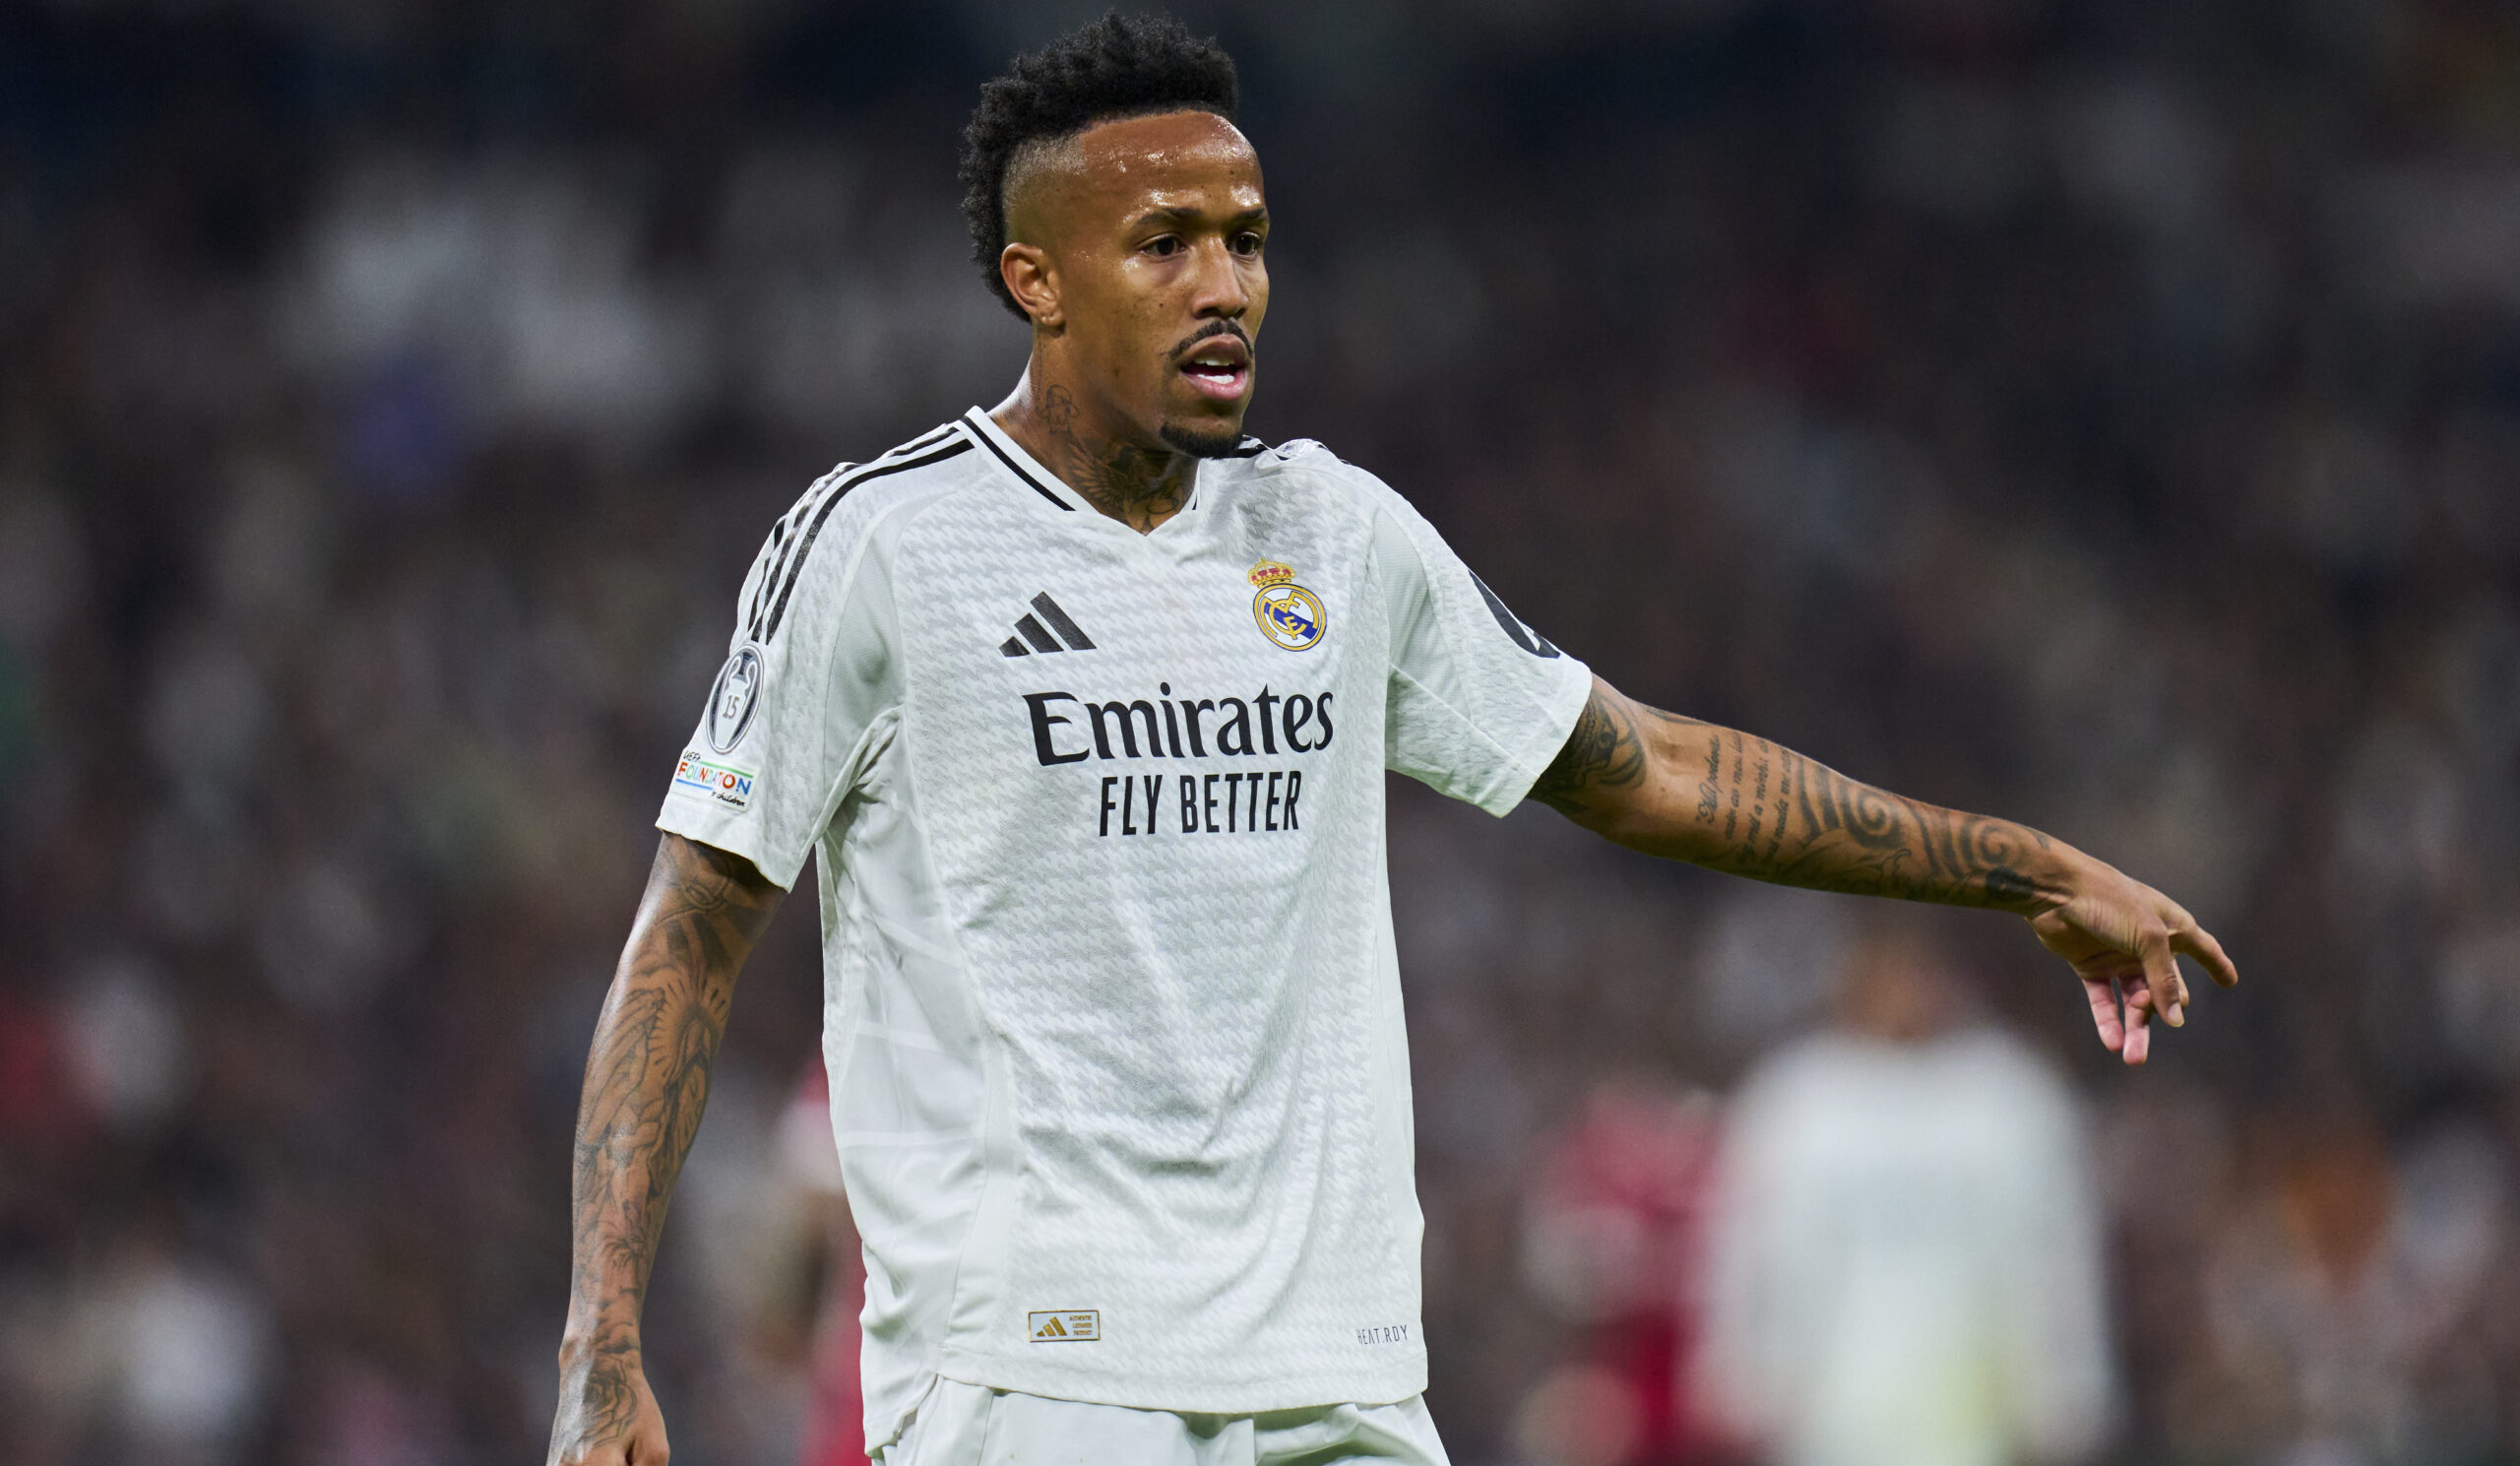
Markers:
<point>1119,66</point>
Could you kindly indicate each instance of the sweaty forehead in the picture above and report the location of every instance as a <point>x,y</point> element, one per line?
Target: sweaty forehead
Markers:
<point>1119,167</point>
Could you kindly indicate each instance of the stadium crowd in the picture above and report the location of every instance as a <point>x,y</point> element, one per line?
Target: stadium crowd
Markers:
<point>2106,413</point>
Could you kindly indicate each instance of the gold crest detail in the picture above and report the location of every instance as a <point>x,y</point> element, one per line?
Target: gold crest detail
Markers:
<point>1271,573</point>
<point>1289,615</point>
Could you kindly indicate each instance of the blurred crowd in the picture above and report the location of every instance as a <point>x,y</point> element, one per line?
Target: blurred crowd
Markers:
<point>2105,412</point>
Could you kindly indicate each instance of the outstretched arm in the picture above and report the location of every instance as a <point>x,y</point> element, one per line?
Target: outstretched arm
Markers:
<point>647,1080</point>
<point>1690,791</point>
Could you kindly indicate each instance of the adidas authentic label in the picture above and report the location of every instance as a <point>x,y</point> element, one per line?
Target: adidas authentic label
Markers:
<point>1065,1326</point>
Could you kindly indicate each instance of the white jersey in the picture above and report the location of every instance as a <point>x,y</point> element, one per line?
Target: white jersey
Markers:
<point>1112,1007</point>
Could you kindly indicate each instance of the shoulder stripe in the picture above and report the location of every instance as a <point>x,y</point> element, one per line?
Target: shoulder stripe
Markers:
<point>782,544</point>
<point>914,444</point>
<point>770,559</point>
<point>806,505</point>
<point>1012,467</point>
<point>840,490</point>
<point>783,535</point>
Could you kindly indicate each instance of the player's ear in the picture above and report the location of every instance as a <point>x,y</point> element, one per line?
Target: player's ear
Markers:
<point>1026,268</point>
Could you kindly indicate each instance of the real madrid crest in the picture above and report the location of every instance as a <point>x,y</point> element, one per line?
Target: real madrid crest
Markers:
<point>1288,613</point>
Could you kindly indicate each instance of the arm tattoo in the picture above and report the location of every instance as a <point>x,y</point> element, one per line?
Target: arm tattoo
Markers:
<point>1722,798</point>
<point>1601,752</point>
<point>647,1082</point>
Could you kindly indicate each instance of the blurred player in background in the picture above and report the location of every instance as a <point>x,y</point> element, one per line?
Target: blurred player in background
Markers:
<point>1613,1237</point>
<point>1905,1266</point>
<point>1085,705</point>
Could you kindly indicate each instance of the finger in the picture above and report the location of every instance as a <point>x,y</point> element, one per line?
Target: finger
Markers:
<point>2161,975</point>
<point>2199,943</point>
<point>2139,1023</point>
<point>2104,1012</point>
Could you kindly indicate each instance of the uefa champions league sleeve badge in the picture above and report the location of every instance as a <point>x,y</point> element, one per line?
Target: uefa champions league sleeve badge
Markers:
<point>735,698</point>
<point>1288,613</point>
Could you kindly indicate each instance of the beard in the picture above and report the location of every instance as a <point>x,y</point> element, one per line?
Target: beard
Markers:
<point>1198,444</point>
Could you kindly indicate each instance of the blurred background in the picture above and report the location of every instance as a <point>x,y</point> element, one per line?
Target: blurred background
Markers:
<point>2101,411</point>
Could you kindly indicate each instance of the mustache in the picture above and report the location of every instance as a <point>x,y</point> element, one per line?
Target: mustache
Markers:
<point>1213,329</point>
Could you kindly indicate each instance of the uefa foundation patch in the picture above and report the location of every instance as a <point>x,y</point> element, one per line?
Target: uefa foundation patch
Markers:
<point>724,783</point>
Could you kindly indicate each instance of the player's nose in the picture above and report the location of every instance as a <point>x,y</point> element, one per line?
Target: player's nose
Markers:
<point>1219,288</point>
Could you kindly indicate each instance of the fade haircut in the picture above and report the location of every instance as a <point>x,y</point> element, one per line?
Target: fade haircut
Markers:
<point>1119,66</point>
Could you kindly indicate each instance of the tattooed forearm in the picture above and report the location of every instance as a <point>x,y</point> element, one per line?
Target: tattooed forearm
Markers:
<point>647,1082</point>
<point>1675,786</point>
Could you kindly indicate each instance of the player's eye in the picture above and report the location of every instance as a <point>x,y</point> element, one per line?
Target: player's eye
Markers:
<point>1164,245</point>
<point>1246,243</point>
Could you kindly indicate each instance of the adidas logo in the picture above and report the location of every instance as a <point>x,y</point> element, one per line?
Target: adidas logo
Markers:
<point>1030,629</point>
<point>1065,1326</point>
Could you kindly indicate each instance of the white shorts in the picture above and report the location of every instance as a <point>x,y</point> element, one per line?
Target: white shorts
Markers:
<point>972,1425</point>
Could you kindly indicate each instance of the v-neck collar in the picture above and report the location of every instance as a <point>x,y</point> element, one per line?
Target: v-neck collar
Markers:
<point>1034,476</point>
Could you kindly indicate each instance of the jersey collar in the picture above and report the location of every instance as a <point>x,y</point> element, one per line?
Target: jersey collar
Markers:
<point>1028,471</point>
<point>1024,467</point>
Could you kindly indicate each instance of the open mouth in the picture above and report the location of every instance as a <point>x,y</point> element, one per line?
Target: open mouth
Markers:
<point>1219,369</point>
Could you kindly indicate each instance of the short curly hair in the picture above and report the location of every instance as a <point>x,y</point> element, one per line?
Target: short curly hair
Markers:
<point>1119,66</point>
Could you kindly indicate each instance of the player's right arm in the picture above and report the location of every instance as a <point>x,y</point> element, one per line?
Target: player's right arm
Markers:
<point>647,1080</point>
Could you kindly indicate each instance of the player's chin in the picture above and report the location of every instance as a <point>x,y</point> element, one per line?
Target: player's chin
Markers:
<point>1204,435</point>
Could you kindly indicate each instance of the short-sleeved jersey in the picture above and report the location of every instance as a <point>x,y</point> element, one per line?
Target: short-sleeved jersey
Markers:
<point>1111,1004</point>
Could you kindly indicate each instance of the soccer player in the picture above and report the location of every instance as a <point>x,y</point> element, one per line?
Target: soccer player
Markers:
<point>1084,703</point>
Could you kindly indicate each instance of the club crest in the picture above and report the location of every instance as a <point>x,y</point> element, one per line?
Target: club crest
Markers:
<point>1288,613</point>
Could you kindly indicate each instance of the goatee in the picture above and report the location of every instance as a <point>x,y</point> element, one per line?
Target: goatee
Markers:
<point>1199,444</point>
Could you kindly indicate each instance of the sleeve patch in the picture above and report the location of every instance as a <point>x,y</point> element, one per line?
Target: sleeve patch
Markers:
<point>722,783</point>
<point>735,698</point>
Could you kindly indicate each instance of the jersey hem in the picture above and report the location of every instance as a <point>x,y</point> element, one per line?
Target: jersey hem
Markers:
<point>1404,1380</point>
<point>1578,693</point>
<point>724,832</point>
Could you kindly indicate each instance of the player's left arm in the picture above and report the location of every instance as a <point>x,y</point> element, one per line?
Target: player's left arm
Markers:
<point>1690,791</point>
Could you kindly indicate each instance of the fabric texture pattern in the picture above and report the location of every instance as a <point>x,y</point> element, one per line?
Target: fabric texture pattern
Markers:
<point>1118,1076</point>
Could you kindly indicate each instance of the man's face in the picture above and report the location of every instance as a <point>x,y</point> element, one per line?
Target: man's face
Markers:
<point>1151,232</point>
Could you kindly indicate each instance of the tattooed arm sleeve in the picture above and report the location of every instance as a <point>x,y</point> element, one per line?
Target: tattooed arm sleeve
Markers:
<point>1690,790</point>
<point>1715,797</point>
<point>647,1080</point>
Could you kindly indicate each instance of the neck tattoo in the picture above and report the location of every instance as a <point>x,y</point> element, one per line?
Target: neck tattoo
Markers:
<point>1139,486</point>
